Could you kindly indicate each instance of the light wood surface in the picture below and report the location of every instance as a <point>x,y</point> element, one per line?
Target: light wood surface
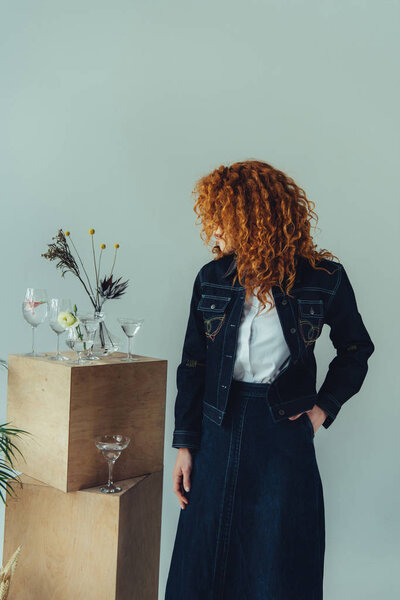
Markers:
<point>85,544</point>
<point>65,406</point>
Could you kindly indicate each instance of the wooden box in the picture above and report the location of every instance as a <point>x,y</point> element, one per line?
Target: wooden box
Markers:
<point>85,544</point>
<point>65,406</point>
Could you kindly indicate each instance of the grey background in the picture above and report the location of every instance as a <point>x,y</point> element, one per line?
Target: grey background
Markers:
<point>110,111</point>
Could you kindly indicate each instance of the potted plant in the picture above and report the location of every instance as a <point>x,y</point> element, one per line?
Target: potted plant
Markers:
<point>7,475</point>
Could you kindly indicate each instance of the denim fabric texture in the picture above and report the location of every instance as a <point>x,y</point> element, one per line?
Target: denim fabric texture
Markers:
<point>204,375</point>
<point>254,525</point>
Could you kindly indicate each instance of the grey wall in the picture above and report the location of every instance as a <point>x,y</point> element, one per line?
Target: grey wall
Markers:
<point>109,113</point>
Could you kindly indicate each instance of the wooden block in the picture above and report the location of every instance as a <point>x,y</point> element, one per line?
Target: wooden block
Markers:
<point>85,544</point>
<point>65,406</point>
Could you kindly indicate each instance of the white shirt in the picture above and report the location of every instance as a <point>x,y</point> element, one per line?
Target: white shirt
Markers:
<point>262,349</point>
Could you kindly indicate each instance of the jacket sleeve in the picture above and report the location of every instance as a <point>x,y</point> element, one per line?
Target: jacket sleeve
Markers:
<point>347,371</point>
<point>190,377</point>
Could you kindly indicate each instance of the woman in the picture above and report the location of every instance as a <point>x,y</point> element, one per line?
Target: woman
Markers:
<point>246,476</point>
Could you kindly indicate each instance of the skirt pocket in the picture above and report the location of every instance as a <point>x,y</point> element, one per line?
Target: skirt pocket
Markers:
<point>309,424</point>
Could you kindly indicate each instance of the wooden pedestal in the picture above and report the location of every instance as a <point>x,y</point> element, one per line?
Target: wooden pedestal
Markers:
<point>65,406</point>
<point>85,545</point>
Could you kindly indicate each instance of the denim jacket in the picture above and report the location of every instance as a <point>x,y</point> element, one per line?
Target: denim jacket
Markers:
<point>205,372</point>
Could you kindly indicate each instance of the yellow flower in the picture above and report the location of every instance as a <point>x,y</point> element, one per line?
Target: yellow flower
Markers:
<point>67,233</point>
<point>67,319</point>
<point>116,245</point>
<point>102,246</point>
<point>91,231</point>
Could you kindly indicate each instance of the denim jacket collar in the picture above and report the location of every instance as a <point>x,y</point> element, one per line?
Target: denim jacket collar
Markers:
<point>232,268</point>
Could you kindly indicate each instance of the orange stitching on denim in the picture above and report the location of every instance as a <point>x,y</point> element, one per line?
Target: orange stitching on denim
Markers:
<point>313,329</point>
<point>208,323</point>
<point>193,363</point>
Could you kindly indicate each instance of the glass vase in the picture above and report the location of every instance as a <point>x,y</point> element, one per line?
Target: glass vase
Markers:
<point>105,341</point>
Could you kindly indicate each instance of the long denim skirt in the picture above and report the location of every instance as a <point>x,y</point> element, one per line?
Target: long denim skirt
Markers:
<point>254,527</point>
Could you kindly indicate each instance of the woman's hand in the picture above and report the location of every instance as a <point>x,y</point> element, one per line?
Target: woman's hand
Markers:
<point>181,474</point>
<point>316,415</point>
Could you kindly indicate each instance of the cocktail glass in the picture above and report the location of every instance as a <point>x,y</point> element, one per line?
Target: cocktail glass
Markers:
<point>130,327</point>
<point>111,447</point>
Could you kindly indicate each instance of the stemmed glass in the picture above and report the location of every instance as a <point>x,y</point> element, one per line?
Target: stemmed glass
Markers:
<point>130,327</point>
<point>91,324</point>
<point>111,446</point>
<point>80,341</point>
<point>34,309</point>
<point>58,305</point>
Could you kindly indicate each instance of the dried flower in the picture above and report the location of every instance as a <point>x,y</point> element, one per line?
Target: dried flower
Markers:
<point>110,289</point>
<point>60,250</point>
<point>105,289</point>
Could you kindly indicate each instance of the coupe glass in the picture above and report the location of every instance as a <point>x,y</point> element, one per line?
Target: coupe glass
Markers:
<point>34,309</point>
<point>130,327</point>
<point>80,342</point>
<point>58,305</point>
<point>111,446</point>
<point>91,324</point>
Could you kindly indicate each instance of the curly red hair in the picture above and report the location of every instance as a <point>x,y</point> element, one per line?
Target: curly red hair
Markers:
<point>266,214</point>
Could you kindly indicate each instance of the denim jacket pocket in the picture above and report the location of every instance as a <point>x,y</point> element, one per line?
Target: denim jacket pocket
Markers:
<point>213,309</point>
<point>311,319</point>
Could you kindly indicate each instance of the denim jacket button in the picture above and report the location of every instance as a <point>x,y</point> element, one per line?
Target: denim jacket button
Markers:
<point>212,306</point>
<point>293,330</point>
<point>284,301</point>
<point>281,411</point>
